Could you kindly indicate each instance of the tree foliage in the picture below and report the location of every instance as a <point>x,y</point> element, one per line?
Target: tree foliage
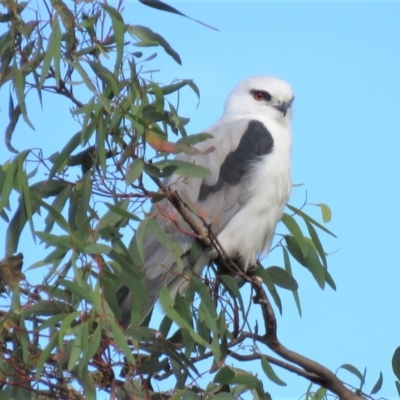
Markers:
<point>60,336</point>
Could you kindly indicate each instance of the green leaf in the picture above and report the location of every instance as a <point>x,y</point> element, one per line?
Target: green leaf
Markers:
<point>76,289</point>
<point>232,286</point>
<point>263,274</point>
<point>124,265</point>
<point>119,209</point>
<point>194,139</point>
<point>94,344</point>
<point>24,189</point>
<point>396,362</point>
<point>224,396</point>
<point>195,89</point>
<point>53,212</point>
<point>97,248</point>
<point>205,296</point>
<point>205,314</point>
<point>150,38</point>
<point>11,170</point>
<point>67,17</point>
<point>319,394</point>
<point>76,65</point>
<point>185,169</point>
<point>166,303</point>
<point>62,157</point>
<point>88,123</point>
<point>151,170</point>
<point>106,76</point>
<point>295,230</point>
<point>80,203</point>
<point>63,241</point>
<point>134,171</point>
<point>14,114</point>
<point>353,370</point>
<point>68,319</point>
<point>282,278</point>
<point>121,341</point>
<point>76,349</point>
<point>19,87</point>
<point>52,321</point>
<point>46,353</point>
<point>45,189</point>
<point>159,5</point>
<point>266,366</point>
<point>168,89</point>
<point>317,243</point>
<point>329,280</point>
<point>116,214</point>
<point>158,97</point>
<point>288,269</point>
<point>185,394</point>
<point>24,341</point>
<point>326,212</point>
<point>57,205</point>
<point>140,234</point>
<point>397,383</point>
<point>378,384</point>
<point>155,198</point>
<point>308,392</point>
<point>101,138</point>
<point>306,217</point>
<point>131,277</point>
<point>245,378</point>
<point>311,261</point>
<point>168,242</point>
<point>52,51</point>
<point>119,30</point>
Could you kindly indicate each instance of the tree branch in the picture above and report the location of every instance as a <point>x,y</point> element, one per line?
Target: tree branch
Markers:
<point>312,370</point>
<point>328,379</point>
<point>289,367</point>
<point>180,206</point>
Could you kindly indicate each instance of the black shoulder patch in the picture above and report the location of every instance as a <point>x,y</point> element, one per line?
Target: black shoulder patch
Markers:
<point>255,142</point>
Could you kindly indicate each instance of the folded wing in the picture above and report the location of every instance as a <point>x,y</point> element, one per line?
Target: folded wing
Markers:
<point>238,145</point>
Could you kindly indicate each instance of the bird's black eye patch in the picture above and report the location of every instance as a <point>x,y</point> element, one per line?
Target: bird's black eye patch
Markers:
<point>260,95</point>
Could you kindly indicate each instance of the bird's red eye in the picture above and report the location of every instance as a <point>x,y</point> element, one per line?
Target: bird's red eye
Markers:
<point>258,96</point>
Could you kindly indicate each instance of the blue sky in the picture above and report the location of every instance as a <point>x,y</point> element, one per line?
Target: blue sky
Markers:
<point>343,62</point>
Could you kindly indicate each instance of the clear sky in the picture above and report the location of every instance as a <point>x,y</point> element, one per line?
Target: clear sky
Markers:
<point>343,62</point>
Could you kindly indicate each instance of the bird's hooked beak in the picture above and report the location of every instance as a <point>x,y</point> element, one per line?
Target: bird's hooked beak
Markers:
<point>283,106</point>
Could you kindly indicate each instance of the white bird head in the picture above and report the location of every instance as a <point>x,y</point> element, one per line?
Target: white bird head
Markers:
<point>261,95</point>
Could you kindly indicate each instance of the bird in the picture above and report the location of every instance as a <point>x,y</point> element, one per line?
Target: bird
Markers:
<point>248,155</point>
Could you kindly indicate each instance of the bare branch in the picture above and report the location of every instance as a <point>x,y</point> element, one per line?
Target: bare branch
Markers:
<point>328,379</point>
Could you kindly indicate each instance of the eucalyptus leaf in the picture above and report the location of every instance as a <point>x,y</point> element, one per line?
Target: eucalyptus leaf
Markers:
<point>281,278</point>
<point>266,366</point>
<point>378,385</point>
<point>353,370</point>
<point>396,363</point>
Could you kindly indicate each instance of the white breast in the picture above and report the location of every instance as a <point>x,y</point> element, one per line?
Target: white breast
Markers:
<point>251,230</point>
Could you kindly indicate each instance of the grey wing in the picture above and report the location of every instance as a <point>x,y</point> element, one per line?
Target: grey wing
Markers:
<point>237,145</point>
<point>222,195</point>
